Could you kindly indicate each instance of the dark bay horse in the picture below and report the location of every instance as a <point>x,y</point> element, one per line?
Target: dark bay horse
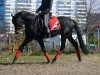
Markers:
<point>34,29</point>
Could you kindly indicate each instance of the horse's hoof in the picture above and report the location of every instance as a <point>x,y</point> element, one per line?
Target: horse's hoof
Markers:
<point>53,61</point>
<point>86,52</point>
<point>14,61</point>
<point>48,62</point>
<point>80,60</point>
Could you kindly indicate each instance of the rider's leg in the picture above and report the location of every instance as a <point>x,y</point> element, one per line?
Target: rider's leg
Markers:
<point>46,23</point>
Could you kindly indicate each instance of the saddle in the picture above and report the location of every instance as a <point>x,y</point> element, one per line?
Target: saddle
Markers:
<point>53,22</point>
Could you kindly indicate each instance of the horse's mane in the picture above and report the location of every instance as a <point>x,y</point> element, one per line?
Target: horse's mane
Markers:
<point>25,14</point>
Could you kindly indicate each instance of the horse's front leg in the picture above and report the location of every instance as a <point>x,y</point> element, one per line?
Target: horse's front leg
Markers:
<point>19,51</point>
<point>44,50</point>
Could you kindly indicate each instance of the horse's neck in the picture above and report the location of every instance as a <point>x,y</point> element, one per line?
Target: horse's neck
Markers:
<point>35,22</point>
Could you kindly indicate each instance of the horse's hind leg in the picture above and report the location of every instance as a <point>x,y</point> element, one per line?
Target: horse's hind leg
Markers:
<point>75,44</point>
<point>44,50</point>
<point>26,41</point>
<point>63,41</point>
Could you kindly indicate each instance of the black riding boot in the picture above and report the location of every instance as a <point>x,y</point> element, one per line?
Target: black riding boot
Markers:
<point>48,33</point>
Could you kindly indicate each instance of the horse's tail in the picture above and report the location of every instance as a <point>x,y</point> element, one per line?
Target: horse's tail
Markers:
<point>82,45</point>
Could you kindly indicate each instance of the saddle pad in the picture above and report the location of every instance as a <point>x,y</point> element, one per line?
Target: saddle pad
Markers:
<point>54,23</point>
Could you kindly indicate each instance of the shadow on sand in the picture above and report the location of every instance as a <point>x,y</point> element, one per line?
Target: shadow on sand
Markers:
<point>20,63</point>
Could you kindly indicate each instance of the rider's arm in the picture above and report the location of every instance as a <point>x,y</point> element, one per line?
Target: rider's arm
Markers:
<point>49,6</point>
<point>38,9</point>
<point>50,3</point>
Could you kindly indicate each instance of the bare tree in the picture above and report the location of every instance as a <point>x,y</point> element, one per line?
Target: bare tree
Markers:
<point>92,11</point>
<point>92,14</point>
<point>2,29</point>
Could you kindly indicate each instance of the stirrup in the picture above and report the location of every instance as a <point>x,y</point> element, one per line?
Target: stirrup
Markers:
<point>46,39</point>
<point>48,30</point>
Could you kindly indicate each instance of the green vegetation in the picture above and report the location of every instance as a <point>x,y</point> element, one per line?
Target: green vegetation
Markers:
<point>27,58</point>
<point>51,52</point>
<point>92,39</point>
<point>36,55</point>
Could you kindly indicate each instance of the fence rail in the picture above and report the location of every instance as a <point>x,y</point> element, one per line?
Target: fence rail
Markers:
<point>11,42</point>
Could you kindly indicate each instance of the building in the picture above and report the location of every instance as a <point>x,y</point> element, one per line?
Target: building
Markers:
<point>81,12</point>
<point>14,6</point>
<point>64,8</point>
<point>9,9</point>
<point>2,12</point>
<point>21,5</point>
<point>74,9</point>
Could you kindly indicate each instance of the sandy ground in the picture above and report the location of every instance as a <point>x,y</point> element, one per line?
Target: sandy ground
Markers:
<point>89,66</point>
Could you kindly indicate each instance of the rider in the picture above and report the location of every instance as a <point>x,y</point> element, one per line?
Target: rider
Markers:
<point>45,9</point>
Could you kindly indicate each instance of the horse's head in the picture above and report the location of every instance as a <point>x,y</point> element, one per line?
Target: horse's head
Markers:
<point>29,20</point>
<point>18,22</point>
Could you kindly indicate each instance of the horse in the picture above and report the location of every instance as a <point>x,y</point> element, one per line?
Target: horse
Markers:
<point>35,29</point>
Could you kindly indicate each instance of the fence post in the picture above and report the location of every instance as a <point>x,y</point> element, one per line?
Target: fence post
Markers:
<point>9,41</point>
<point>98,37</point>
<point>0,43</point>
<point>53,44</point>
<point>13,43</point>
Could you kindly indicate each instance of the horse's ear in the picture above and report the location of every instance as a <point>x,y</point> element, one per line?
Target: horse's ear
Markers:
<point>12,15</point>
